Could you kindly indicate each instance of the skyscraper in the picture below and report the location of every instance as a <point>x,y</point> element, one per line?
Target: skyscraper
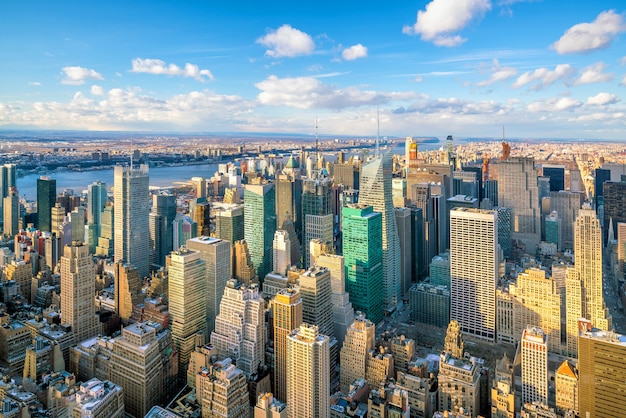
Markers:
<point>584,280</point>
<point>320,227</point>
<point>403,221</point>
<point>360,339</point>
<point>216,255</point>
<point>363,255</point>
<point>222,391</point>
<point>260,225</point>
<point>614,195</point>
<point>534,366</point>
<point>160,221</point>
<point>240,327</point>
<point>282,252</point>
<point>11,208</point>
<point>229,223</point>
<point>46,198</point>
<point>474,270</point>
<point>187,302</point>
<point>316,200</point>
<point>183,229</point>
<point>7,180</point>
<point>287,310</point>
<point>127,290</point>
<point>567,205</point>
<point>78,280</point>
<point>518,190</point>
<point>96,200</point>
<point>375,190</point>
<point>308,373</point>
<point>132,208</point>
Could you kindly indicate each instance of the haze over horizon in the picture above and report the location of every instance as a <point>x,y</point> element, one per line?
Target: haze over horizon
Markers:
<point>541,69</point>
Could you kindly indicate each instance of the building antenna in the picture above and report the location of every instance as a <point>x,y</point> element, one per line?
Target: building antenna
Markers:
<point>317,151</point>
<point>378,128</point>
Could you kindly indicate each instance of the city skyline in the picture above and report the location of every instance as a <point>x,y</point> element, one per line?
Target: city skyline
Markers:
<point>537,68</point>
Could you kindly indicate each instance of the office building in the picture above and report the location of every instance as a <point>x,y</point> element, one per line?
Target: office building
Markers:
<point>474,271</point>
<point>363,256</point>
<point>287,310</point>
<point>556,173</point>
<point>614,195</point>
<point>567,205</point>
<point>359,340</point>
<point>269,407</point>
<point>403,222</point>
<point>375,191</point>
<point>316,294</point>
<point>132,208</point>
<point>260,225</point>
<point>98,399</point>
<point>243,268</point>
<point>15,337</point>
<point>183,228</point>
<point>46,198</point>
<point>534,350</point>
<point>216,254</point>
<point>503,390</point>
<point>566,387</point>
<point>289,196</point>
<point>519,191</point>
<point>79,288</point>
<point>317,227</point>
<point>282,252</point>
<point>106,245</point>
<point>308,373</point>
<point>187,302</point>
<point>160,220</point>
<point>240,327</point>
<point>127,290</point>
<point>602,376</point>
<point>97,197</point>
<point>537,302</point>
<point>584,281</point>
<point>440,270</point>
<point>343,312</point>
<point>430,304</point>
<point>11,213</point>
<point>229,223</point>
<point>222,391</point>
<point>379,366</point>
<point>317,201</point>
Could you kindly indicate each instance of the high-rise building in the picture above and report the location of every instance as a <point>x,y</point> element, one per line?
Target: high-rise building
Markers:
<point>308,373</point>
<point>97,197</point>
<point>269,407</point>
<point>317,227</point>
<point>127,290</point>
<point>363,255</point>
<point>556,173</point>
<point>7,180</point>
<point>282,252</point>
<point>343,312</point>
<point>430,304</point>
<point>243,269</point>
<point>287,310</point>
<point>222,391</point>
<point>161,216</point>
<point>260,225</point>
<point>229,223</point>
<point>183,228</point>
<point>403,222</point>
<point>566,387</point>
<point>584,281</point>
<point>98,399</point>
<point>375,190</point>
<point>78,281</point>
<point>46,198</point>
<point>105,246</point>
<point>240,327</point>
<point>614,195</point>
<point>360,339</point>
<point>537,302</point>
<point>602,376</point>
<point>132,208</point>
<point>216,255</point>
<point>289,196</point>
<point>316,294</point>
<point>474,270</point>
<point>316,200</point>
<point>567,205</point>
<point>11,212</point>
<point>534,350</point>
<point>518,190</point>
<point>187,302</point>
<point>503,390</point>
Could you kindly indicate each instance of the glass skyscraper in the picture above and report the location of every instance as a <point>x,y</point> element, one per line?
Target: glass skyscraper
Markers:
<point>260,225</point>
<point>46,197</point>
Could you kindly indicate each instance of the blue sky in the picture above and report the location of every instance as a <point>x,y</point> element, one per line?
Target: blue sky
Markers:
<point>542,69</point>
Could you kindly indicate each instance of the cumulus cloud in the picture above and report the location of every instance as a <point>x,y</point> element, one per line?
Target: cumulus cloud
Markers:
<point>588,37</point>
<point>554,104</point>
<point>157,66</point>
<point>96,90</point>
<point>287,41</point>
<point>442,19</point>
<point>76,76</point>
<point>310,92</point>
<point>593,74</point>
<point>354,52</point>
<point>603,99</point>
<point>498,73</point>
<point>543,77</point>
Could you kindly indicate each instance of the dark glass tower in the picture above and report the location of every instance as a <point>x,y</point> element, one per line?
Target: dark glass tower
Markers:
<point>46,197</point>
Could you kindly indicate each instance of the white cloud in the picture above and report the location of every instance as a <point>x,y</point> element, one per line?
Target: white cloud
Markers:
<point>310,92</point>
<point>157,66</point>
<point>543,77</point>
<point>593,74</point>
<point>498,73</point>
<point>287,42</point>
<point>587,37</point>
<point>623,82</point>
<point>354,52</point>
<point>602,99</point>
<point>96,90</point>
<point>554,104</point>
<point>419,79</point>
<point>443,18</point>
<point>623,60</point>
<point>76,76</point>
<point>34,83</point>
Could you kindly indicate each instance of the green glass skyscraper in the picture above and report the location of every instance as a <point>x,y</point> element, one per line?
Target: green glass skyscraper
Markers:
<point>363,255</point>
<point>46,197</point>
<point>260,225</point>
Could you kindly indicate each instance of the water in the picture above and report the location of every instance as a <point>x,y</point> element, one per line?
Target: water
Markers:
<point>78,181</point>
